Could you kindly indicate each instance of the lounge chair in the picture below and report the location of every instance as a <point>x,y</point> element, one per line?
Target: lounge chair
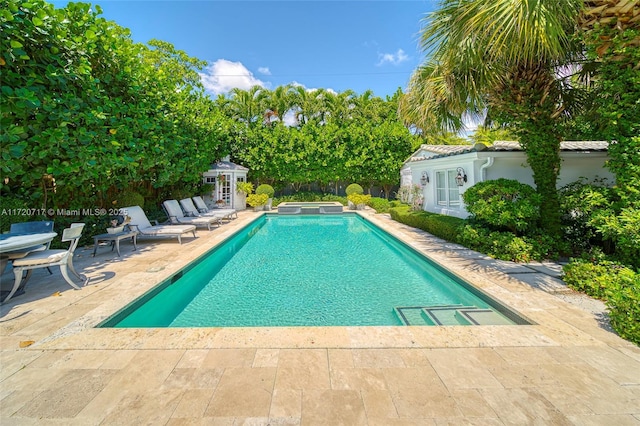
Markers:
<point>48,258</point>
<point>140,222</point>
<point>202,208</point>
<point>177,216</point>
<point>191,211</point>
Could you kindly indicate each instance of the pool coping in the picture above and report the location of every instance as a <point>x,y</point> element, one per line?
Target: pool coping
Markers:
<point>556,321</point>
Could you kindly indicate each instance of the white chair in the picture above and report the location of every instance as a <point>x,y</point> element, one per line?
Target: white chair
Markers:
<point>177,216</point>
<point>202,208</point>
<point>191,211</point>
<point>48,258</point>
<point>140,222</point>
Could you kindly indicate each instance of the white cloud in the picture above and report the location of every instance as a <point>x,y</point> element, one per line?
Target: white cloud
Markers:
<point>221,76</point>
<point>264,70</point>
<point>311,89</point>
<point>392,58</point>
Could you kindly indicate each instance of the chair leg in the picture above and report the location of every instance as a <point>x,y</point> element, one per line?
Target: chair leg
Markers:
<point>17,272</point>
<point>50,272</point>
<point>65,275</point>
<point>82,278</point>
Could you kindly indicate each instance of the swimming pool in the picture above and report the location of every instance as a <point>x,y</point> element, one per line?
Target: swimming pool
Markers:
<point>313,270</point>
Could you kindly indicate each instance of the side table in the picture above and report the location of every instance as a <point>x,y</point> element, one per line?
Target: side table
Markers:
<point>115,240</point>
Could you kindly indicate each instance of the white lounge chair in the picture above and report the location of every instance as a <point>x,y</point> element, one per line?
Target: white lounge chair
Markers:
<point>47,258</point>
<point>191,211</point>
<point>177,216</point>
<point>140,222</point>
<point>202,208</point>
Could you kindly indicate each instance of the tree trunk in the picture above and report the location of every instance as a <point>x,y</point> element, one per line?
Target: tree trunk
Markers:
<point>542,146</point>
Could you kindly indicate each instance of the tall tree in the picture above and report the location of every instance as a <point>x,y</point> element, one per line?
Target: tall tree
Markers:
<point>244,105</point>
<point>276,103</point>
<point>504,56</point>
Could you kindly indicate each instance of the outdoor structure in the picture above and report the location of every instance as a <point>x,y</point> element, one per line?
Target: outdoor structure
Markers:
<point>224,176</point>
<point>444,172</point>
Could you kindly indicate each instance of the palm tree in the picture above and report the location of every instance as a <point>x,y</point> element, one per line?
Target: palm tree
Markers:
<point>306,103</point>
<point>339,105</point>
<point>501,57</point>
<point>245,104</point>
<point>277,103</point>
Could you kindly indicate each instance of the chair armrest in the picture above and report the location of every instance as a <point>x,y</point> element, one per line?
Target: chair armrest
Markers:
<point>132,227</point>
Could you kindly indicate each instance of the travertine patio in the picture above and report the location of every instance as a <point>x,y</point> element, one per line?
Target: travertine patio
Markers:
<point>567,368</point>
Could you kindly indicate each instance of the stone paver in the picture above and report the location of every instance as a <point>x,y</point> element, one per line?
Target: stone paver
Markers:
<point>567,367</point>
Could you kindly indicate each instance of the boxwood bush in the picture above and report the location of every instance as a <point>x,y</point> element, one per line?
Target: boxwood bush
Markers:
<point>265,189</point>
<point>354,188</point>
<point>446,227</point>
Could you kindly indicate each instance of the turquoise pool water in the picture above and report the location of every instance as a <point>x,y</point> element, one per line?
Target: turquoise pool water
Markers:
<point>302,271</point>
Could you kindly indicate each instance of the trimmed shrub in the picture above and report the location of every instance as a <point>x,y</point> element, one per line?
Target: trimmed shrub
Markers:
<point>504,204</point>
<point>265,189</point>
<point>358,199</point>
<point>354,188</point>
<point>446,227</point>
<point>507,246</point>
<point>255,200</point>
<point>380,205</point>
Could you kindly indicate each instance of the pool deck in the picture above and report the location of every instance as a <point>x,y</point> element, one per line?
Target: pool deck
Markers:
<point>566,368</point>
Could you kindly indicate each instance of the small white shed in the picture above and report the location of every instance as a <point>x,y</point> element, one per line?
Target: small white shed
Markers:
<point>225,175</point>
<point>444,172</point>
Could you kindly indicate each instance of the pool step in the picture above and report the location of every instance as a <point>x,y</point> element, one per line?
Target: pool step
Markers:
<point>449,315</point>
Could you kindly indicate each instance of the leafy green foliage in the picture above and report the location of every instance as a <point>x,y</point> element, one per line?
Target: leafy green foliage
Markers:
<point>255,200</point>
<point>380,205</point>
<point>359,199</point>
<point>617,285</point>
<point>244,188</point>
<point>338,138</point>
<point>265,189</point>
<point>128,198</point>
<point>446,227</point>
<point>84,105</point>
<point>508,246</point>
<point>354,188</point>
<point>310,197</point>
<point>504,204</point>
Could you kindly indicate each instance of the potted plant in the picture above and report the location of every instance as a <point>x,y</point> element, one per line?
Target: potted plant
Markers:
<point>243,189</point>
<point>117,224</point>
<point>353,189</point>
<point>267,190</point>
<point>257,201</point>
<point>359,200</point>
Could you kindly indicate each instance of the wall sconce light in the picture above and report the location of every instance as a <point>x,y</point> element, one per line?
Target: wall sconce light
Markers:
<point>424,179</point>
<point>461,178</point>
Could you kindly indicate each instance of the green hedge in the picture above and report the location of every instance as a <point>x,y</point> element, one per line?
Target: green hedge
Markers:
<point>380,205</point>
<point>617,285</point>
<point>446,227</point>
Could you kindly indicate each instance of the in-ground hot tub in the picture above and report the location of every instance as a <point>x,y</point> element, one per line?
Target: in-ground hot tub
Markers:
<point>318,207</point>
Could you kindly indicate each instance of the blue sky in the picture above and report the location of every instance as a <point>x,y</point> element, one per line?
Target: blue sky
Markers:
<point>335,45</point>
